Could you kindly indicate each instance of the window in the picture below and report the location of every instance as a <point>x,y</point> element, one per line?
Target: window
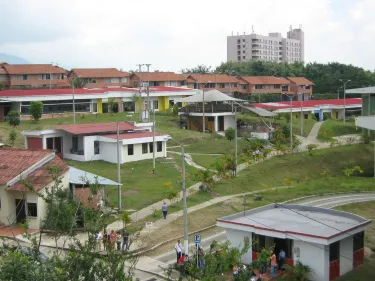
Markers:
<point>75,143</point>
<point>238,41</point>
<point>334,251</point>
<point>32,209</point>
<point>124,80</point>
<point>96,147</point>
<point>259,87</point>
<point>48,77</point>
<point>159,146</point>
<point>150,144</point>
<point>49,143</point>
<point>243,40</point>
<point>17,77</point>
<point>130,149</point>
<point>144,148</point>
<point>24,77</point>
<point>239,58</point>
<point>243,51</point>
<point>243,57</point>
<point>155,104</point>
<point>358,241</point>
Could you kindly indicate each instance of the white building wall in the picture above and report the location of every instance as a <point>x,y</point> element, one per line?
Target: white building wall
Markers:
<point>236,239</point>
<point>316,256</point>
<point>8,206</point>
<point>88,144</point>
<point>229,121</point>
<point>138,155</point>
<point>108,152</point>
<point>346,250</point>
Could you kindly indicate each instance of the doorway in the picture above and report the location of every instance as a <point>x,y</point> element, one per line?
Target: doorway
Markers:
<point>20,211</point>
<point>221,123</point>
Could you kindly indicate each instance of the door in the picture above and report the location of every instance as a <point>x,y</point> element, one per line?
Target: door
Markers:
<point>20,210</point>
<point>221,123</point>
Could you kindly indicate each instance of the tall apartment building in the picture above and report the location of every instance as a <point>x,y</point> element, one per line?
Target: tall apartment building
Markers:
<point>267,48</point>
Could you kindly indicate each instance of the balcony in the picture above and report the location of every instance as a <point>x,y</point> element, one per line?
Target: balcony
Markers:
<point>208,108</point>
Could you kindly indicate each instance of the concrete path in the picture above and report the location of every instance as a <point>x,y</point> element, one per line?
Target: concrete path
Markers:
<point>314,131</point>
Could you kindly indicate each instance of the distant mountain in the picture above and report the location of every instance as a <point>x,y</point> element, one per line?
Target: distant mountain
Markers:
<point>12,59</point>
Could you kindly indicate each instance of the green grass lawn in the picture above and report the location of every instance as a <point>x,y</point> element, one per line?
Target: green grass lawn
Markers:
<point>141,187</point>
<point>334,128</point>
<point>366,271</point>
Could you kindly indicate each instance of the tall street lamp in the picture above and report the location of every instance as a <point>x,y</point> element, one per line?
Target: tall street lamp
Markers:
<point>291,121</point>
<point>344,97</point>
<point>74,104</point>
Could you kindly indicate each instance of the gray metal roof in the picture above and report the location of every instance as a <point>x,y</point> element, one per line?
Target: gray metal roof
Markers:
<point>210,96</point>
<point>298,219</point>
<point>259,111</point>
<point>77,176</point>
<point>366,90</point>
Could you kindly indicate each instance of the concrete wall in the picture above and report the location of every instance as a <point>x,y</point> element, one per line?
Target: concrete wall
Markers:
<point>88,144</point>
<point>108,152</point>
<point>316,256</point>
<point>138,155</point>
<point>229,122</point>
<point>7,205</point>
<point>236,239</point>
<point>346,250</point>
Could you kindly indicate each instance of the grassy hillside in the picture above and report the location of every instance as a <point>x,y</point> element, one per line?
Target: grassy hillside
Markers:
<point>334,128</point>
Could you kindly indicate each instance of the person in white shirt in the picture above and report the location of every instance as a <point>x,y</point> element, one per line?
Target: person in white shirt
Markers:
<point>178,248</point>
<point>99,238</point>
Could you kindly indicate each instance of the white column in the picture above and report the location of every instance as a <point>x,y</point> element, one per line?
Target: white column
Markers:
<point>165,148</point>
<point>216,123</point>
<point>346,251</point>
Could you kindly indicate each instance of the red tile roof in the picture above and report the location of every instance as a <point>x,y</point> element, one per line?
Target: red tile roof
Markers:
<point>33,69</point>
<point>15,161</point>
<point>98,73</point>
<point>309,103</point>
<point>265,80</point>
<point>161,76</point>
<point>85,196</point>
<point>300,81</point>
<point>133,135</point>
<point>84,91</point>
<point>81,129</point>
<point>41,177</point>
<point>213,78</point>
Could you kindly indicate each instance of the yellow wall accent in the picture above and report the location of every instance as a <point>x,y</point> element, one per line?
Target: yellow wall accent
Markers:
<point>333,114</point>
<point>100,105</point>
<point>163,103</point>
<point>139,104</point>
<point>184,103</point>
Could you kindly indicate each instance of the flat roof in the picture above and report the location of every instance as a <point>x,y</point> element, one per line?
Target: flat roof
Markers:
<point>298,219</point>
<point>77,176</point>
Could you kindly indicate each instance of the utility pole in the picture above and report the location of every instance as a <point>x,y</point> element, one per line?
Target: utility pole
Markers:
<point>235,141</point>
<point>74,104</point>
<point>345,97</point>
<point>204,119</point>
<point>140,91</point>
<point>186,237</point>
<point>118,167</point>
<point>50,76</point>
<point>148,90</point>
<point>302,119</point>
<point>153,140</point>
<point>291,124</point>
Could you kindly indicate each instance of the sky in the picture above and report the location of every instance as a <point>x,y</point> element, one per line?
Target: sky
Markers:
<point>173,35</point>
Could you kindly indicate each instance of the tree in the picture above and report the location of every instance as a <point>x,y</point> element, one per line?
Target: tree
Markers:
<point>230,133</point>
<point>78,83</point>
<point>200,69</point>
<point>36,110</point>
<point>206,179</point>
<point>14,118</point>
<point>12,137</point>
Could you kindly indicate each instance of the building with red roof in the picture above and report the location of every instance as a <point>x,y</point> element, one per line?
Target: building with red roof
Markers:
<point>98,141</point>
<point>101,77</point>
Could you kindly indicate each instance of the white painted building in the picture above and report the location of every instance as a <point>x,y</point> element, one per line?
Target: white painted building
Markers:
<point>330,242</point>
<point>89,142</point>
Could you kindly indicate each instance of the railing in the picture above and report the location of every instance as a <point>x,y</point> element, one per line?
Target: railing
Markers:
<point>208,108</point>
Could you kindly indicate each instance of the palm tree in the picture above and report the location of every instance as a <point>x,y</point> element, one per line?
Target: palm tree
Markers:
<point>206,178</point>
<point>299,272</point>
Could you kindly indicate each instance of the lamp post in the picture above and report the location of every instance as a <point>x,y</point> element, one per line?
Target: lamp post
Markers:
<point>344,97</point>
<point>302,97</point>
<point>74,104</point>
<point>291,121</point>
<point>118,167</point>
<point>50,76</point>
<point>153,116</point>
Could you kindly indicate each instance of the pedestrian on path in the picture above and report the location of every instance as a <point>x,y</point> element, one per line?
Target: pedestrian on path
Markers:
<point>118,241</point>
<point>178,248</point>
<point>112,238</point>
<point>105,239</point>
<point>99,239</point>
<point>125,243</point>
<point>164,208</point>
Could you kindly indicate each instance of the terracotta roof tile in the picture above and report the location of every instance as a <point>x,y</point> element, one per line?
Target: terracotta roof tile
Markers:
<point>84,194</point>
<point>33,69</point>
<point>213,78</point>
<point>15,161</point>
<point>300,81</point>
<point>161,76</point>
<point>80,129</point>
<point>265,80</point>
<point>41,177</point>
<point>98,73</point>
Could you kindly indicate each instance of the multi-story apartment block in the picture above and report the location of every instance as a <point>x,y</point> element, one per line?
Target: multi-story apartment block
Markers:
<point>267,48</point>
<point>101,77</point>
<point>158,78</point>
<point>21,76</point>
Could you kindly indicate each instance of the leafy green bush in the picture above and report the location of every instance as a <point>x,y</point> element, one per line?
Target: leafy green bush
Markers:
<point>36,109</point>
<point>14,118</point>
<point>230,133</point>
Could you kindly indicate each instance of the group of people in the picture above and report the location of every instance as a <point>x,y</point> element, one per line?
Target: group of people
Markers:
<point>274,264</point>
<point>111,239</point>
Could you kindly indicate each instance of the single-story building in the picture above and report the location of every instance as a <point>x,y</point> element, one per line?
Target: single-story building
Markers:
<point>18,203</point>
<point>330,242</point>
<point>333,107</point>
<point>98,141</point>
<point>366,122</point>
<point>60,101</point>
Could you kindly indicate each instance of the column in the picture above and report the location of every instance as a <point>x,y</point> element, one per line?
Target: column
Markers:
<point>216,120</point>
<point>100,105</point>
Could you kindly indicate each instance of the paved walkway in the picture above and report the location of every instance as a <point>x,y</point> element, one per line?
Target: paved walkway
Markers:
<point>315,131</point>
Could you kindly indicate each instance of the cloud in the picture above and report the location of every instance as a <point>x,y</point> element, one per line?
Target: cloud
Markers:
<point>173,35</point>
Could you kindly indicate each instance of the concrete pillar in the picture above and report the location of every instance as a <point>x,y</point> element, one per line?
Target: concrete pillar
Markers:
<point>120,106</point>
<point>2,117</point>
<point>216,121</point>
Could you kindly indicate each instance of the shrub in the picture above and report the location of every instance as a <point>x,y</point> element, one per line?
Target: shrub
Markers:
<point>311,148</point>
<point>14,118</point>
<point>354,171</point>
<point>12,137</point>
<point>175,110</point>
<point>230,133</point>
<point>36,109</point>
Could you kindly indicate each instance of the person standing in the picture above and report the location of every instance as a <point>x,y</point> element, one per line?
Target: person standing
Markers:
<point>125,238</point>
<point>178,248</point>
<point>118,241</point>
<point>112,238</point>
<point>273,265</point>
<point>99,239</point>
<point>282,258</point>
<point>164,209</point>
<point>105,239</point>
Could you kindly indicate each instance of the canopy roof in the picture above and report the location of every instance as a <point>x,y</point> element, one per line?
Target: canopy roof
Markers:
<point>259,111</point>
<point>365,90</point>
<point>210,96</point>
<point>77,176</point>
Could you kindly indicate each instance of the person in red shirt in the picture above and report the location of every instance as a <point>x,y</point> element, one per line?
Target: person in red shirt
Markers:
<point>112,239</point>
<point>181,260</point>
